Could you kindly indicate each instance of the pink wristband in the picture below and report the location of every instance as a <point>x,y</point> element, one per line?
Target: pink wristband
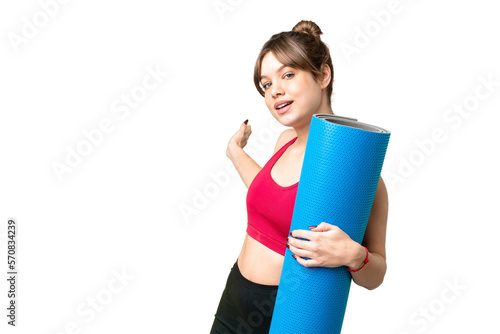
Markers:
<point>364,263</point>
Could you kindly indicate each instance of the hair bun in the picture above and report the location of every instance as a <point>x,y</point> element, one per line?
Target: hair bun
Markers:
<point>308,27</point>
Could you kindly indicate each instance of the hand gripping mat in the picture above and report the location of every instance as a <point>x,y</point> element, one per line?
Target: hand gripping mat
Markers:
<point>339,176</point>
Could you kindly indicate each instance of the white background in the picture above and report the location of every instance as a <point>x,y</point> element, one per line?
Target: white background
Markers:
<point>120,208</point>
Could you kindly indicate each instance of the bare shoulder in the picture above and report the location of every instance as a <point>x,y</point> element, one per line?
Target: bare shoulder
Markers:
<point>381,191</point>
<point>376,229</point>
<point>284,138</point>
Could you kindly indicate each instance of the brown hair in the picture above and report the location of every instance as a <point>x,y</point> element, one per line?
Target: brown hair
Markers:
<point>300,48</point>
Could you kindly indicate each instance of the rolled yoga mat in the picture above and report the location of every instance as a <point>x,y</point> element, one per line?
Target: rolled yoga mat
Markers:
<point>339,176</point>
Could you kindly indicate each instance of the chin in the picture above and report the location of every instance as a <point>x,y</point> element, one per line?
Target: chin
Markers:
<point>288,121</point>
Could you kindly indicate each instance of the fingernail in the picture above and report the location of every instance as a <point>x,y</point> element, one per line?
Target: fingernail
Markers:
<point>286,239</point>
<point>295,257</point>
<point>246,121</point>
<point>291,234</point>
<point>287,246</point>
<point>311,227</point>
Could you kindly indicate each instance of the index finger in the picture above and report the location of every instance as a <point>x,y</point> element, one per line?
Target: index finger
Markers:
<point>304,234</point>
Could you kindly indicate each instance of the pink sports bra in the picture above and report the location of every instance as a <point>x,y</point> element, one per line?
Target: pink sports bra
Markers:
<point>270,206</point>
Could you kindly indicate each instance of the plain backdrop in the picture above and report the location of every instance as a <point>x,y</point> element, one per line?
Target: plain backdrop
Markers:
<point>154,201</point>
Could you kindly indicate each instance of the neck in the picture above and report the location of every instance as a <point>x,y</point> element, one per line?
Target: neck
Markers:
<point>303,129</point>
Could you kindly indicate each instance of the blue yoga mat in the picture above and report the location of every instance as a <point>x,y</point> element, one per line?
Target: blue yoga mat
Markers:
<point>340,173</point>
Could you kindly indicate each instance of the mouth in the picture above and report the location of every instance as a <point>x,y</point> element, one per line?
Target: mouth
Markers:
<point>282,106</point>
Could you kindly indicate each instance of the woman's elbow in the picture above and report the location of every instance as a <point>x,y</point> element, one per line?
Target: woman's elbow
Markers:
<point>375,282</point>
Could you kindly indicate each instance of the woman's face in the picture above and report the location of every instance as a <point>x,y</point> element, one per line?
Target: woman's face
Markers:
<point>283,84</point>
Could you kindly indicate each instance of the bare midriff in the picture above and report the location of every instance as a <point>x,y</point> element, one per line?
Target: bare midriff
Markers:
<point>258,263</point>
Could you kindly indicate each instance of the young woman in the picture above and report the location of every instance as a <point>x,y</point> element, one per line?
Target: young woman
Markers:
<point>294,73</point>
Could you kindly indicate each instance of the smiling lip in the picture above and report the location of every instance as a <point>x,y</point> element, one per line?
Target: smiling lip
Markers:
<point>284,109</point>
<point>280,103</point>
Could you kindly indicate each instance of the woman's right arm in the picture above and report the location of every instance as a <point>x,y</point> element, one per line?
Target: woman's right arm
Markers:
<point>244,164</point>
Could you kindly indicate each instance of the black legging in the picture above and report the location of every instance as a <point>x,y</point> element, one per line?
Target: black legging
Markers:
<point>245,307</point>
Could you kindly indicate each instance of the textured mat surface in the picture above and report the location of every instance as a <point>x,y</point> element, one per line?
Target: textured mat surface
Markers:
<point>340,172</point>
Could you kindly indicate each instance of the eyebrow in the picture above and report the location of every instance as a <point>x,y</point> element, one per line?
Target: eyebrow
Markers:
<point>279,69</point>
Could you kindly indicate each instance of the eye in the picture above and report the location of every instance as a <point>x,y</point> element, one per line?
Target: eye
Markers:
<point>265,86</point>
<point>289,75</point>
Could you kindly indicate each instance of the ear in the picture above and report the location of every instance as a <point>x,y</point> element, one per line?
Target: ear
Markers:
<point>325,81</point>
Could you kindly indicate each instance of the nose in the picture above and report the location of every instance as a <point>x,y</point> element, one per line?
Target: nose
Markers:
<point>276,89</point>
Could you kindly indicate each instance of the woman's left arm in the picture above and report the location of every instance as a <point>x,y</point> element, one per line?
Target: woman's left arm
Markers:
<point>329,246</point>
